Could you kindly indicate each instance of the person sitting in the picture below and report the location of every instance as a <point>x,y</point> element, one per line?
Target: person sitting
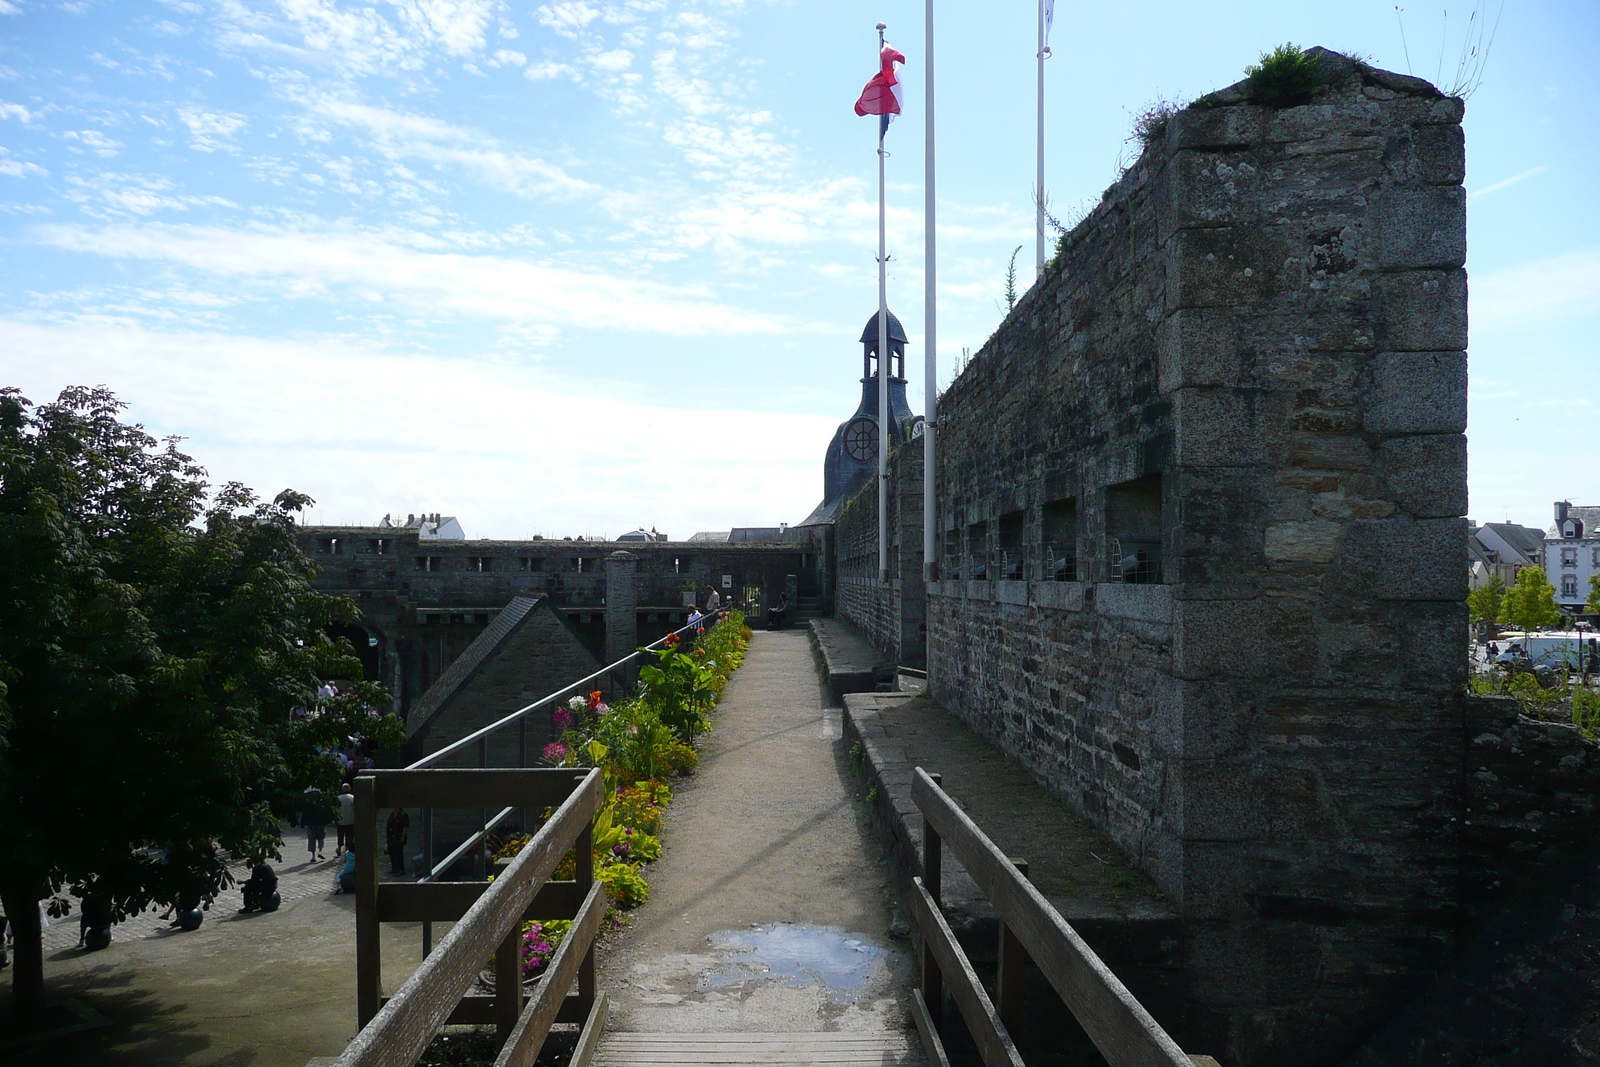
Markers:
<point>261,890</point>
<point>94,922</point>
<point>346,882</point>
<point>778,613</point>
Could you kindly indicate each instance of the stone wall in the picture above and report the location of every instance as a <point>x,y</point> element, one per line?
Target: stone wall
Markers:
<point>426,601</point>
<point>1203,560</point>
<point>891,616</point>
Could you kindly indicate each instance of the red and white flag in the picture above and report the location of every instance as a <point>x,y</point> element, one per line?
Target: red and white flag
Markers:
<point>882,93</point>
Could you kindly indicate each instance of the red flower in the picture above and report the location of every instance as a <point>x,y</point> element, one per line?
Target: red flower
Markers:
<point>702,630</point>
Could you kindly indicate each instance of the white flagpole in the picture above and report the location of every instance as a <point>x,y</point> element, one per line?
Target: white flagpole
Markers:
<point>884,361</point>
<point>930,325</point>
<point>1038,187</point>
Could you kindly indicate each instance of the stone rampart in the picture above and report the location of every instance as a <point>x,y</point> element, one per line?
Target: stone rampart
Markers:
<point>1202,554</point>
<point>891,616</point>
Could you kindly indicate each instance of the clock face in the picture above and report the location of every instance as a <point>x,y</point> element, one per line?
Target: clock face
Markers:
<point>861,439</point>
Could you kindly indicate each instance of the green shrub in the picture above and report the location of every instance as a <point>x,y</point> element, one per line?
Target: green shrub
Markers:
<point>1586,712</point>
<point>624,885</point>
<point>1285,77</point>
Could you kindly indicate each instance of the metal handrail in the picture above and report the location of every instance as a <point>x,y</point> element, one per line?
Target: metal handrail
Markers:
<point>559,693</point>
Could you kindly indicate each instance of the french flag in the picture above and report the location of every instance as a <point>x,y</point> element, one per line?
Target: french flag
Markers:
<point>882,93</point>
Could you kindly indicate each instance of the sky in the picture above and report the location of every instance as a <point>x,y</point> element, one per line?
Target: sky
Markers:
<point>580,266</point>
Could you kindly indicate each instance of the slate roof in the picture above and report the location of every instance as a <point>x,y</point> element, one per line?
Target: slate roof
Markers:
<point>1589,516</point>
<point>1524,539</point>
<point>463,667</point>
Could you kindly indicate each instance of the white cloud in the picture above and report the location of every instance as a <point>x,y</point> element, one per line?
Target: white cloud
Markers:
<point>549,69</point>
<point>366,430</point>
<point>1568,284</point>
<point>16,168</point>
<point>507,57</point>
<point>1506,184</point>
<point>614,60</point>
<point>569,17</point>
<point>456,26</point>
<point>97,142</point>
<point>15,111</point>
<point>400,267</point>
<point>209,130</point>
<point>399,134</point>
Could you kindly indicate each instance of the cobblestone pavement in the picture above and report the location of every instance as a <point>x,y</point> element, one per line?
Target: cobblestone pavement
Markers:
<point>255,990</point>
<point>296,879</point>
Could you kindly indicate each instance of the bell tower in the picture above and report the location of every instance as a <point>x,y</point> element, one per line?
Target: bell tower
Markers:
<point>853,452</point>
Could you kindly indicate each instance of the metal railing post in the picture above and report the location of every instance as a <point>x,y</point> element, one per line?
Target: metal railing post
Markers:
<point>932,858</point>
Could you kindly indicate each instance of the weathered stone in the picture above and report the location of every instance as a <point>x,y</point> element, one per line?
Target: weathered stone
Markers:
<point>1198,347</point>
<point>1417,392</point>
<point>1422,228</point>
<point>1423,311</point>
<point>1303,542</point>
<point>1421,472</point>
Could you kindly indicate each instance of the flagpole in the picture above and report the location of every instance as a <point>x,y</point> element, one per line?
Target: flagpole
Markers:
<point>1038,186</point>
<point>884,361</point>
<point>930,326</point>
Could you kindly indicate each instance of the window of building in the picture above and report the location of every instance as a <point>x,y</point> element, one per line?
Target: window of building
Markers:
<point>586,564</point>
<point>1011,562</point>
<point>1058,537</point>
<point>378,546</point>
<point>682,564</point>
<point>531,564</point>
<point>978,551</point>
<point>1569,557</point>
<point>328,546</point>
<point>1569,586</point>
<point>480,564</point>
<point>953,559</point>
<point>1133,531</point>
<point>427,563</point>
<point>1594,558</point>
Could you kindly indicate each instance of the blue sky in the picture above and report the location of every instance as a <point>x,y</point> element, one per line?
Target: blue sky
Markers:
<point>581,265</point>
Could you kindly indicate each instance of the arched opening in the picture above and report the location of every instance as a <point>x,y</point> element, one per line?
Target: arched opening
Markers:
<point>366,647</point>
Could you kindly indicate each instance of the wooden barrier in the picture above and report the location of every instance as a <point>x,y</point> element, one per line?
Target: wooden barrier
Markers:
<point>487,917</point>
<point>1119,1026</point>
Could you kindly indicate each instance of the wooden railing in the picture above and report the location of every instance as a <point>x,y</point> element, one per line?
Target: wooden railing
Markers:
<point>487,918</point>
<point>1119,1026</point>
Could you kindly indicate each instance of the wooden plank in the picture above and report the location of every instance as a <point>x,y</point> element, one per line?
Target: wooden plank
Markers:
<point>522,1048</point>
<point>478,1010</point>
<point>988,1032</point>
<point>1203,1061</point>
<point>932,1045</point>
<point>933,880</point>
<point>1120,1027</point>
<point>763,1056</point>
<point>754,1038</point>
<point>495,787</point>
<point>369,951</point>
<point>589,1039</point>
<point>404,1026</point>
<point>508,984</point>
<point>1011,969</point>
<point>404,902</point>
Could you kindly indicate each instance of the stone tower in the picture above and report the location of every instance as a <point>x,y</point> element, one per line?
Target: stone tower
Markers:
<point>853,453</point>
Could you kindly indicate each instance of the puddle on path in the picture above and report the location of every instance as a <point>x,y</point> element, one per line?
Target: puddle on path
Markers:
<point>794,955</point>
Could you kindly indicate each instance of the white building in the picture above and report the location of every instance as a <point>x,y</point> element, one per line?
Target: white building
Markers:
<point>1501,549</point>
<point>1572,553</point>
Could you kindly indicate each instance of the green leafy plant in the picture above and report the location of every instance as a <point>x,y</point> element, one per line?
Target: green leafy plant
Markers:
<point>624,885</point>
<point>1011,281</point>
<point>1285,77</point>
<point>1484,603</point>
<point>1150,125</point>
<point>1530,604</point>
<point>1586,712</point>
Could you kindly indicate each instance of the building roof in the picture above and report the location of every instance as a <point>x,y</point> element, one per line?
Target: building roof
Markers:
<point>1524,539</point>
<point>463,667</point>
<point>1588,515</point>
<point>869,333</point>
<point>710,535</point>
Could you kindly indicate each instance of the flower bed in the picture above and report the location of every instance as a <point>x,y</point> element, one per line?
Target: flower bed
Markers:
<point>639,743</point>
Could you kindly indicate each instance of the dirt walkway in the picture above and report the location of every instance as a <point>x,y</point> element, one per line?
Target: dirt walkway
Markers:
<point>769,909</point>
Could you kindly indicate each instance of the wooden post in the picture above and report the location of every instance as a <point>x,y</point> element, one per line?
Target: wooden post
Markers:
<point>480,855</point>
<point>427,872</point>
<point>369,962</point>
<point>508,984</point>
<point>583,874</point>
<point>1012,971</point>
<point>932,856</point>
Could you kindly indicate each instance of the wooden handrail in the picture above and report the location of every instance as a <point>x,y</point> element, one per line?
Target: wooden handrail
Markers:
<point>1120,1027</point>
<point>402,1028</point>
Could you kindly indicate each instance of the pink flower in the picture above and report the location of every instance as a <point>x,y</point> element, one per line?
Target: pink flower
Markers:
<point>560,719</point>
<point>555,752</point>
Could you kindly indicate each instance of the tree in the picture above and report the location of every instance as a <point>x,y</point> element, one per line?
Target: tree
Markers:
<point>1530,604</point>
<point>1484,602</point>
<point>151,648</point>
<point>1592,605</point>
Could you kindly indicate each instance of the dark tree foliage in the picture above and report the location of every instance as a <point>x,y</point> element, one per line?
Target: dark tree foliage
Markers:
<point>152,644</point>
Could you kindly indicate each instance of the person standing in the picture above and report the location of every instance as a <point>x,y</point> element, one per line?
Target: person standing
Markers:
<point>345,824</point>
<point>714,601</point>
<point>396,832</point>
<point>315,820</point>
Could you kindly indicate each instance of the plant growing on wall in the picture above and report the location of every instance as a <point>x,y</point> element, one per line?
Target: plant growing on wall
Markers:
<point>1285,77</point>
<point>1011,281</point>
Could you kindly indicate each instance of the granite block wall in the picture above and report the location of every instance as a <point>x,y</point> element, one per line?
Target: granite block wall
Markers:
<point>892,616</point>
<point>1202,551</point>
